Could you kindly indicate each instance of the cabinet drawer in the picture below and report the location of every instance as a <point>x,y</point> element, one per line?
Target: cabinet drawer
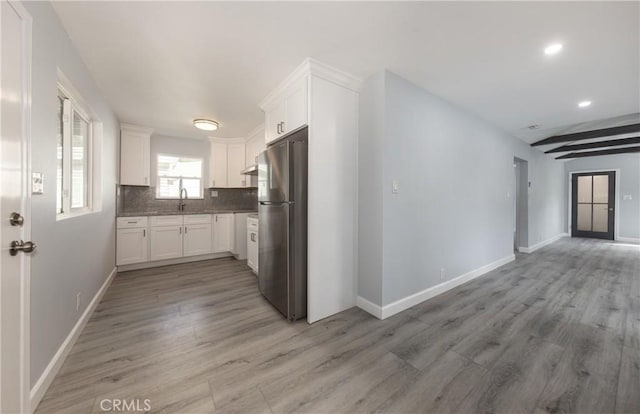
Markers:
<point>197,219</point>
<point>252,224</point>
<point>157,221</point>
<point>131,222</point>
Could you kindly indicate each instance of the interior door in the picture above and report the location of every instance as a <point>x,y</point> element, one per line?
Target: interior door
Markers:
<point>14,198</point>
<point>593,205</point>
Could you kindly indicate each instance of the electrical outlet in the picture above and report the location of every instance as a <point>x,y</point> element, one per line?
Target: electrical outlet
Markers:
<point>442,274</point>
<point>78,301</point>
<point>214,193</point>
<point>394,187</point>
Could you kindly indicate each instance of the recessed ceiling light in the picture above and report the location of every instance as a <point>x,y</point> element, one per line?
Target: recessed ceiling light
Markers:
<point>205,124</point>
<point>553,49</point>
<point>584,104</point>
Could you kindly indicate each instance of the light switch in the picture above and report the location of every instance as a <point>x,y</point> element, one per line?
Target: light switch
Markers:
<point>394,187</point>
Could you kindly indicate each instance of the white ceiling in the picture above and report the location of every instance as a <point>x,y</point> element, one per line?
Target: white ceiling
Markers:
<point>161,64</point>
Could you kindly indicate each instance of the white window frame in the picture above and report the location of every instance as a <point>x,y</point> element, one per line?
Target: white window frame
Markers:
<point>70,105</point>
<point>177,197</point>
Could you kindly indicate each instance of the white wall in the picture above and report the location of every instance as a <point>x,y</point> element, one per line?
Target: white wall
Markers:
<point>74,255</point>
<point>629,184</point>
<point>454,209</point>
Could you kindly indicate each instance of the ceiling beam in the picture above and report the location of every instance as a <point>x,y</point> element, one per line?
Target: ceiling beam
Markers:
<point>599,144</point>
<point>596,133</point>
<point>601,152</point>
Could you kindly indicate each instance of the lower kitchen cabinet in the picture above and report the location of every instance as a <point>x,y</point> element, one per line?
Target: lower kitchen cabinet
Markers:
<point>223,233</point>
<point>131,246</point>
<point>166,242</point>
<point>197,239</point>
<point>252,247</point>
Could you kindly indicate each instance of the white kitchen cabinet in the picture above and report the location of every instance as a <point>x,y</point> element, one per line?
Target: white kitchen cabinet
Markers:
<point>252,244</point>
<point>255,145</point>
<point>235,164</point>
<point>197,239</point>
<point>132,243</point>
<point>225,163</point>
<point>223,233</point>
<point>274,118</point>
<point>166,242</point>
<point>132,246</point>
<point>197,235</point>
<point>135,151</point>
<point>240,236</point>
<point>218,165</point>
<point>288,111</point>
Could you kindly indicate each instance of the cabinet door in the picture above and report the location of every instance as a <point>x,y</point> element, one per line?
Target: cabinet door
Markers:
<point>235,162</point>
<point>274,121</point>
<point>197,239</point>
<point>296,106</point>
<point>222,233</point>
<point>166,242</point>
<point>218,165</point>
<point>131,246</point>
<point>134,158</point>
<point>252,249</point>
<point>254,147</point>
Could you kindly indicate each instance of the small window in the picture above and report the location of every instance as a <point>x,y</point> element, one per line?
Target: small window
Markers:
<point>74,157</point>
<point>176,173</point>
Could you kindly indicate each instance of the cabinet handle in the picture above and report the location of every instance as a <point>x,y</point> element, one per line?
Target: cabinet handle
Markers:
<point>144,232</point>
<point>216,219</point>
<point>180,230</point>
<point>282,127</point>
<point>185,229</point>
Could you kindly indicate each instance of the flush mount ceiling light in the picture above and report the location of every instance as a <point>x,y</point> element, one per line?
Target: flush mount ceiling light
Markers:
<point>584,104</point>
<point>205,124</point>
<point>552,49</point>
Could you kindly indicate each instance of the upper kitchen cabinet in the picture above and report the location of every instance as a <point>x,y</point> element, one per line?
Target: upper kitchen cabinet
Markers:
<point>218,165</point>
<point>226,162</point>
<point>286,109</point>
<point>235,164</point>
<point>255,145</point>
<point>134,155</point>
<point>326,100</point>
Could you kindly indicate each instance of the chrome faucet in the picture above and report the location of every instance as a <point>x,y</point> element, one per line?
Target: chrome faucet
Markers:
<point>186,196</point>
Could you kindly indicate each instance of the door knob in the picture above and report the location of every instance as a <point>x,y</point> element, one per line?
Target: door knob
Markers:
<point>16,219</point>
<point>21,246</point>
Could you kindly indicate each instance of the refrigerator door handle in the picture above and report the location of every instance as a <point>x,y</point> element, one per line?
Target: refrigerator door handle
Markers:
<point>272,203</point>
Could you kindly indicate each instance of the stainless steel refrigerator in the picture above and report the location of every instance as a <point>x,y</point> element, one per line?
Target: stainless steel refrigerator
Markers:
<point>282,217</point>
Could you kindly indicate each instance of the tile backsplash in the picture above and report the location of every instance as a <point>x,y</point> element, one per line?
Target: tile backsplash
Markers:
<point>133,199</point>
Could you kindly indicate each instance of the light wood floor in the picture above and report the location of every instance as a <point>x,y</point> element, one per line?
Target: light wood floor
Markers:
<point>555,331</point>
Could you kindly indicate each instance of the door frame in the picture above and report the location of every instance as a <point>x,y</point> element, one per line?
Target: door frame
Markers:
<point>616,211</point>
<point>25,288</point>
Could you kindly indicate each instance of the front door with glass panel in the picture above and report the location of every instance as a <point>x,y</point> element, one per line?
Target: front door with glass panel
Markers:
<point>592,210</point>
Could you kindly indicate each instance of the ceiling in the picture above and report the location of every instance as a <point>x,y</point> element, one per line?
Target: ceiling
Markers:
<point>161,64</point>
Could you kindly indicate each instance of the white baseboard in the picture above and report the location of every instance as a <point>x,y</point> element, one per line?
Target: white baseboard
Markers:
<point>412,300</point>
<point>542,243</point>
<point>369,307</point>
<point>43,383</point>
<point>628,239</point>
<point>179,260</point>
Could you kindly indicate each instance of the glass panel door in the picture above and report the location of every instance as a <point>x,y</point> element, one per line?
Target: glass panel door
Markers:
<point>593,205</point>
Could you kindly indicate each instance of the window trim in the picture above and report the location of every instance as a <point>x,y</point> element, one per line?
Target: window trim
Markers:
<point>72,105</point>
<point>158,176</point>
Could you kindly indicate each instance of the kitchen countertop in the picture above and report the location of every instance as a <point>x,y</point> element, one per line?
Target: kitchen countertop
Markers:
<point>179,213</point>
